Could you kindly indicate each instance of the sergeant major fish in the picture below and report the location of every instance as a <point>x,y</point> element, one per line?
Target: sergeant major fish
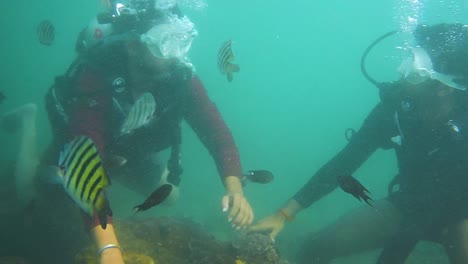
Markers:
<point>45,33</point>
<point>225,58</point>
<point>82,175</point>
<point>140,113</point>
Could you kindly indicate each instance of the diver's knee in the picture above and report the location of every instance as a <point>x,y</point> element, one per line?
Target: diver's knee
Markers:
<point>24,115</point>
<point>315,250</point>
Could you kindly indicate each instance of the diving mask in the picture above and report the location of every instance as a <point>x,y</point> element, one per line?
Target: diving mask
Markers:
<point>171,39</point>
<point>419,69</point>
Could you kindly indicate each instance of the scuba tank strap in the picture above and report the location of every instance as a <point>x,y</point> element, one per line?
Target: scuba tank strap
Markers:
<point>174,164</point>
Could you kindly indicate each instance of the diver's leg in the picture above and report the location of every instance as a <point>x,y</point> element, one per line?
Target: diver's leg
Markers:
<point>398,248</point>
<point>362,229</point>
<point>23,121</point>
<point>455,241</point>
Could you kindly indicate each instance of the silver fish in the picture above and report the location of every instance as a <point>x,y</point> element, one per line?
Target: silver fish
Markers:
<point>140,113</point>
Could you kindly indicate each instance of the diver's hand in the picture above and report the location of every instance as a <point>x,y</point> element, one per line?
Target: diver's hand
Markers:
<point>272,224</point>
<point>112,256</point>
<point>241,213</point>
<point>275,223</point>
<point>103,238</point>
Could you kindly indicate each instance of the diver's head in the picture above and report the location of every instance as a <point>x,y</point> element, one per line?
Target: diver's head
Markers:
<point>440,54</point>
<point>138,15</point>
<point>158,24</point>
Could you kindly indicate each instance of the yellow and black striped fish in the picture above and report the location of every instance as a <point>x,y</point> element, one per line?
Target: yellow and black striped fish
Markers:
<point>84,178</point>
<point>225,58</point>
<point>45,33</point>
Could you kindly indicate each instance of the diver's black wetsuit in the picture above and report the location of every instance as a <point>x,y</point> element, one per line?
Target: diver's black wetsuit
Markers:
<point>433,168</point>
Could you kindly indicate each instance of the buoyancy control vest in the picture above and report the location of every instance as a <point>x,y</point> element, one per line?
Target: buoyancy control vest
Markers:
<point>169,89</point>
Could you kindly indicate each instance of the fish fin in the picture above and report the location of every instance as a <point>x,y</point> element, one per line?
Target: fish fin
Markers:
<point>52,175</point>
<point>115,161</point>
<point>244,179</point>
<point>233,67</point>
<point>229,76</point>
<point>63,154</point>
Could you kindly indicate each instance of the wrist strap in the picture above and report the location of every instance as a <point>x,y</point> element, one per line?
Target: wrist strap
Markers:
<point>285,215</point>
<point>99,252</point>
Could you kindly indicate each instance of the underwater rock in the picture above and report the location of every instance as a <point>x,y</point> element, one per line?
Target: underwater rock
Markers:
<point>12,260</point>
<point>129,258</point>
<point>182,241</point>
<point>257,248</point>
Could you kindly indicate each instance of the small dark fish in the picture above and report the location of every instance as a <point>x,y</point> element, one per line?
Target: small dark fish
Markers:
<point>157,197</point>
<point>352,186</point>
<point>45,33</point>
<point>258,176</point>
<point>225,58</point>
<point>2,97</point>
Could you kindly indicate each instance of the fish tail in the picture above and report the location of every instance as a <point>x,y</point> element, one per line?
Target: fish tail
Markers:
<point>231,67</point>
<point>229,76</point>
<point>356,196</point>
<point>103,209</point>
<point>103,214</point>
<point>367,199</point>
<point>137,209</point>
<point>103,219</point>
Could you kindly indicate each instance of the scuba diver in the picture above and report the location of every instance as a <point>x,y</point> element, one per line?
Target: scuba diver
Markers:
<point>422,117</point>
<point>128,91</point>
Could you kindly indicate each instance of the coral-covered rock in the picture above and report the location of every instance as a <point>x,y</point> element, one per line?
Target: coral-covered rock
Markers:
<point>257,249</point>
<point>12,260</point>
<point>182,241</point>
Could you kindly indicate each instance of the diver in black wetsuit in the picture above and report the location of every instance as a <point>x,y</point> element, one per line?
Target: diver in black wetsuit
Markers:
<point>423,117</point>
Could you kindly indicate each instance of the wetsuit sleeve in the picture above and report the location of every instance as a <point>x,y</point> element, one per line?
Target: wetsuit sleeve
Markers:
<point>371,136</point>
<point>204,118</point>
